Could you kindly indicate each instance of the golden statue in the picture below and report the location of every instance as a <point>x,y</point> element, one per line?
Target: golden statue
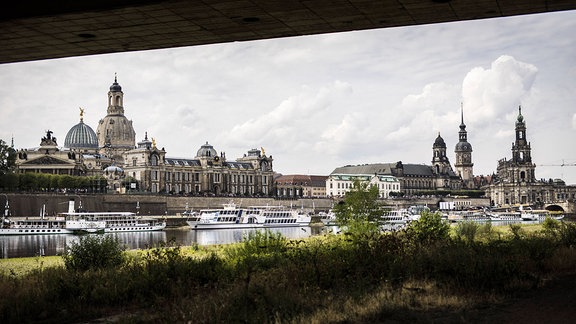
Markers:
<point>153,142</point>
<point>81,114</point>
<point>261,148</point>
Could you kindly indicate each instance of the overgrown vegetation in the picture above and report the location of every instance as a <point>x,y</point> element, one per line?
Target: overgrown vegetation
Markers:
<point>268,278</point>
<point>94,252</point>
<point>420,273</point>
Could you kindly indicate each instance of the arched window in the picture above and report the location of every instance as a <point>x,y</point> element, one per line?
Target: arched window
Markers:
<point>154,160</point>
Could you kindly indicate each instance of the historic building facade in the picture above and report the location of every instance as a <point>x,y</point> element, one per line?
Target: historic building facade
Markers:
<point>298,185</point>
<point>515,180</point>
<point>399,177</point>
<point>115,132</point>
<point>208,173</point>
<point>111,152</point>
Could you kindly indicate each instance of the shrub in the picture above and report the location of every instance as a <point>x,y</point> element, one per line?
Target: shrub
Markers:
<point>467,230</point>
<point>430,228</point>
<point>94,252</point>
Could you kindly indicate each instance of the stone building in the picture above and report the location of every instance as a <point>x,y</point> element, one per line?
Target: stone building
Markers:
<point>115,132</point>
<point>297,185</point>
<point>111,152</point>
<point>515,180</point>
<point>208,173</point>
<point>399,177</point>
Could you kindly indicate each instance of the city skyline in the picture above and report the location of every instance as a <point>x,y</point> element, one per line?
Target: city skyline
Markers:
<point>316,103</point>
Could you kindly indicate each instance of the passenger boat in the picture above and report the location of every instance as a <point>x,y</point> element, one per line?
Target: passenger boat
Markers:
<point>119,221</point>
<point>504,216</point>
<point>52,225</point>
<point>328,218</point>
<point>530,214</point>
<point>42,224</point>
<point>229,216</point>
<point>397,216</point>
<point>468,216</point>
<point>280,216</point>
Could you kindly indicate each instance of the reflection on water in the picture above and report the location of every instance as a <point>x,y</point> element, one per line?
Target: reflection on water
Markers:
<point>35,245</point>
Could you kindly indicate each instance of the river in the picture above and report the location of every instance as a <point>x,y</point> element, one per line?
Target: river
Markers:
<point>16,246</point>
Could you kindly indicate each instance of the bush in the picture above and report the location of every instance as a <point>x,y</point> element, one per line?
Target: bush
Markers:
<point>467,230</point>
<point>94,252</point>
<point>430,228</point>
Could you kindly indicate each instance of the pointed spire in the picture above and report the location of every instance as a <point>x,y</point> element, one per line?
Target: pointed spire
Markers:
<point>115,78</point>
<point>520,117</point>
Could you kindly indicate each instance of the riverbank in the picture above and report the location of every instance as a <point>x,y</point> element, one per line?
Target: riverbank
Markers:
<point>389,277</point>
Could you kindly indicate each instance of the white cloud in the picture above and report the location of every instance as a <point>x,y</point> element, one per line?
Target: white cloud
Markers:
<point>319,102</point>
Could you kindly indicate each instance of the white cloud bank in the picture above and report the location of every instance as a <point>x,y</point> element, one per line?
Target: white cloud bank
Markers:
<point>319,102</point>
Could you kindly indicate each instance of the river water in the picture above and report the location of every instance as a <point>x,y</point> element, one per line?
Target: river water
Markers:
<point>16,246</point>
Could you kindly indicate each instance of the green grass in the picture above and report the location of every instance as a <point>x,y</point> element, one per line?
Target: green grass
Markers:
<point>403,276</point>
<point>22,266</point>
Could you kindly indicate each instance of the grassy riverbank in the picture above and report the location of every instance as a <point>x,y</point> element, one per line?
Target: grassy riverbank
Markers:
<point>414,275</point>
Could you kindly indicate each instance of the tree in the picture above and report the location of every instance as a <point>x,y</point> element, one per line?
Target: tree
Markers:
<point>360,208</point>
<point>7,158</point>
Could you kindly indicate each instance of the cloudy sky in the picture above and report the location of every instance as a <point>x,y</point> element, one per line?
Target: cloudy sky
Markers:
<point>319,102</point>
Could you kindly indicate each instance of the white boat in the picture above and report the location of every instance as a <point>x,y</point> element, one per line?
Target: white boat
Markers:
<point>505,216</point>
<point>119,221</point>
<point>328,218</point>
<point>51,225</point>
<point>229,216</point>
<point>530,214</point>
<point>48,225</point>
<point>467,216</point>
<point>397,216</point>
<point>280,216</point>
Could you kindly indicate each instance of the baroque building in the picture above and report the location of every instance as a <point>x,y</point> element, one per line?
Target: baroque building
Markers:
<point>115,132</point>
<point>515,180</point>
<point>111,152</point>
<point>399,177</point>
<point>208,173</point>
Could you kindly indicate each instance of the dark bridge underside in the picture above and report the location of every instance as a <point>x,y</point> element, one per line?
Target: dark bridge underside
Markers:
<point>41,29</point>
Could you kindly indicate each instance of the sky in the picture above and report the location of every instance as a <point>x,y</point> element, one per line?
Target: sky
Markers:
<point>315,103</point>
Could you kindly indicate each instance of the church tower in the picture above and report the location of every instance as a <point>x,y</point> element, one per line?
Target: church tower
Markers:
<point>115,132</point>
<point>440,161</point>
<point>521,156</point>
<point>463,152</point>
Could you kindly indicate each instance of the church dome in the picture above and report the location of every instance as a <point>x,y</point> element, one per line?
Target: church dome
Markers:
<point>81,136</point>
<point>113,169</point>
<point>115,86</point>
<point>206,150</point>
<point>439,142</point>
<point>463,147</point>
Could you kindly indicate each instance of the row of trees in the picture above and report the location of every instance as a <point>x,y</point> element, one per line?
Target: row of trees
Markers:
<point>34,182</point>
<point>11,181</point>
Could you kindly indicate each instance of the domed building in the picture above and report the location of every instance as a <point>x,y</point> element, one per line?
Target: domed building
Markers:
<point>208,173</point>
<point>81,136</point>
<point>115,132</point>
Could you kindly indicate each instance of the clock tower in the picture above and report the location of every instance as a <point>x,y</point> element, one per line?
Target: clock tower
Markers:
<point>463,164</point>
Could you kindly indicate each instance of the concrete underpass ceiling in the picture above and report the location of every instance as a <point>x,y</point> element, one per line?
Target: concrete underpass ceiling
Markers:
<point>39,29</point>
